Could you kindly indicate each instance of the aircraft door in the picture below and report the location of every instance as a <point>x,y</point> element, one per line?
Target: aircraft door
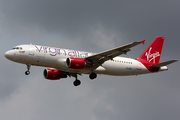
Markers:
<point>31,51</point>
<point>139,66</point>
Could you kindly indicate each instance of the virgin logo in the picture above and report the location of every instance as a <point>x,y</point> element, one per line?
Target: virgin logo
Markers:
<point>152,56</point>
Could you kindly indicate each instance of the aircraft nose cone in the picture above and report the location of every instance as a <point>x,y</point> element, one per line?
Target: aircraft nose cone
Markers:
<point>8,54</point>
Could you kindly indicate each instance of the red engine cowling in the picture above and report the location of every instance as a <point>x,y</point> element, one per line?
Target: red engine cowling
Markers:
<point>75,63</point>
<point>53,74</point>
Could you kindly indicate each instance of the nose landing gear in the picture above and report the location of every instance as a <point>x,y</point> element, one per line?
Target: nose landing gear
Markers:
<point>28,68</point>
<point>27,72</point>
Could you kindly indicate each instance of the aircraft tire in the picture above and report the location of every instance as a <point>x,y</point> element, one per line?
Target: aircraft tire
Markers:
<point>27,72</point>
<point>92,76</point>
<point>77,82</point>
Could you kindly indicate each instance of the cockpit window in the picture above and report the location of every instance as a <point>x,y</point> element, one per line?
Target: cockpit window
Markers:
<point>17,48</point>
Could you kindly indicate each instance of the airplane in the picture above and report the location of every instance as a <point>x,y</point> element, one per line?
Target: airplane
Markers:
<point>62,63</point>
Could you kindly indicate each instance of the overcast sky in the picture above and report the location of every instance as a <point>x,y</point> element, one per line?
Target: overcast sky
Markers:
<point>95,26</point>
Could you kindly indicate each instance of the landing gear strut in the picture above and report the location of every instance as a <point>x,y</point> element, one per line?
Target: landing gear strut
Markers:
<point>28,68</point>
<point>76,82</point>
<point>92,75</point>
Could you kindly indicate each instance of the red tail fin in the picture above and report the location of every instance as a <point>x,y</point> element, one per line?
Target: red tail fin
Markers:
<point>153,51</point>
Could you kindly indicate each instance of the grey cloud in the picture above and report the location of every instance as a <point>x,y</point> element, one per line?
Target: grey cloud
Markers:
<point>89,26</point>
<point>76,20</point>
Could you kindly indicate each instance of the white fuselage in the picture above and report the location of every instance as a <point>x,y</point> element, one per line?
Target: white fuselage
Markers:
<point>56,58</point>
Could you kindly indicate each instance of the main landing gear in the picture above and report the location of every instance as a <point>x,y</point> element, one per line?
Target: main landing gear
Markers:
<point>28,68</point>
<point>78,82</point>
<point>93,76</point>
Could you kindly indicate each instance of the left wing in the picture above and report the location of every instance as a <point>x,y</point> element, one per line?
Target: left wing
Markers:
<point>98,59</point>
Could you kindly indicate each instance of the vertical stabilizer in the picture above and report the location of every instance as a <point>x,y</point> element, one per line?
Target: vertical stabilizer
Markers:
<point>152,53</point>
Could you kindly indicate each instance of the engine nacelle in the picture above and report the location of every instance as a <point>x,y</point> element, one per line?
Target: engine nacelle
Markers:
<point>75,63</point>
<point>53,74</point>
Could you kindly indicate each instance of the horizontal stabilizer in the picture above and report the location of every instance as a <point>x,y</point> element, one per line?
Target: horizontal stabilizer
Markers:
<point>163,64</point>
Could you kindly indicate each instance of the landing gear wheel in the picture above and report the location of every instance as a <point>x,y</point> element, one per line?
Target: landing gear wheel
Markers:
<point>92,76</point>
<point>77,82</point>
<point>27,72</point>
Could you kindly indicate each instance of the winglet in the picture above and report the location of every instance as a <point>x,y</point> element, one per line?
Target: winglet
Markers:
<point>143,41</point>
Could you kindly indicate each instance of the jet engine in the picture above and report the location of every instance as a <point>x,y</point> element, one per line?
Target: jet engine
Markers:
<point>75,63</point>
<point>53,74</point>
